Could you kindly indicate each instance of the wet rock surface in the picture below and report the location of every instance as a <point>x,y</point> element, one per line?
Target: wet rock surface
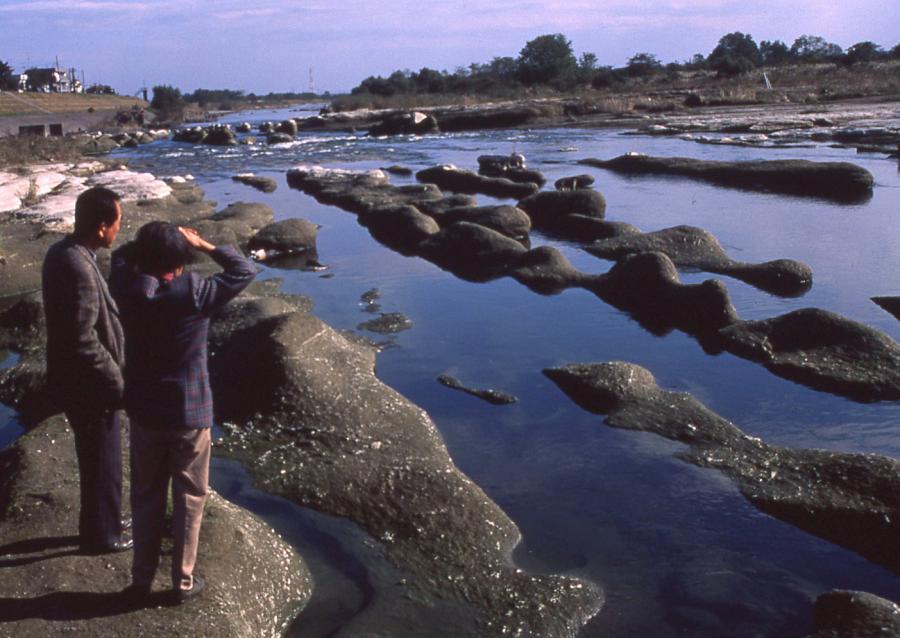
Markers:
<point>549,208</point>
<point>320,429</point>
<point>410,123</point>
<point>852,500</point>
<point>842,613</point>
<point>259,182</point>
<point>490,395</point>
<point>511,167</point>
<point>839,181</point>
<point>256,583</point>
<point>823,350</point>
<point>449,177</point>
<point>891,304</point>
<point>287,236</point>
<point>508,220</point>
<point>689,246</point>
<point>574,182</point>
<point>388,323</point>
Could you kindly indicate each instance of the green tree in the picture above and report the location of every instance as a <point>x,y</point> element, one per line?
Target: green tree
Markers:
<point>587,66</point>
<point>9,81</point>
<point>813,48</point>
<point>642,65</point>
<point>505,68</point>
<point>774,52</point>
<point>863,52</point>
<point>548,59</point>
<point>737,46</point>
<point>167,101</point>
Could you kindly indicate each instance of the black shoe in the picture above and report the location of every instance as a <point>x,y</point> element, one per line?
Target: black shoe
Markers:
<point>125,523</point>
<point>121,545</point>
<point>184,595</point>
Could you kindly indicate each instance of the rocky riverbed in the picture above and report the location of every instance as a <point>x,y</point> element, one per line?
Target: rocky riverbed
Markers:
<point>370,455</point>
<point>320,429</point>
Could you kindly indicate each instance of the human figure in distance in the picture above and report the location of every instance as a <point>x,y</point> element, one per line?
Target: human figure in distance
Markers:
<point>85,354</point>
<point>166,313</point>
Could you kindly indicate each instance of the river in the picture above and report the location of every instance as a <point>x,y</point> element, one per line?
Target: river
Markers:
<point>677,549</point>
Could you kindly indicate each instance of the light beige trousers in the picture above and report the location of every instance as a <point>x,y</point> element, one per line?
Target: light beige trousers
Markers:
<point>159,455</point>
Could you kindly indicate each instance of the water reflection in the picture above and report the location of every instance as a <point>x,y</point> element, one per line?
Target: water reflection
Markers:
<point>10,428</point>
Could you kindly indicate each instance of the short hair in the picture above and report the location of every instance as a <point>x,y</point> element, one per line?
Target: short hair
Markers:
<point>94,207</point>
<point>160,247</point>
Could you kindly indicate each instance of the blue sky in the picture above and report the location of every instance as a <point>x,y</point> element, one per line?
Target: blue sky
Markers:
<point>271,46</point>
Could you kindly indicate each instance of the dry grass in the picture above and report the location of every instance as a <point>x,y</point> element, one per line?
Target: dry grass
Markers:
<point>33,103</point>
<point>22,150</point>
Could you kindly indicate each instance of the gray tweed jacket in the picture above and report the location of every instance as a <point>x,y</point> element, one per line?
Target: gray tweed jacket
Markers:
<point>85,344</point>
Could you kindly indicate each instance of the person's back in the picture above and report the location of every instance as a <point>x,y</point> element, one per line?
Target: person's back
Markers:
<point>166,313</point>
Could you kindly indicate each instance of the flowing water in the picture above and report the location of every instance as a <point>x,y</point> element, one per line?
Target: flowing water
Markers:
<point>677,549</point>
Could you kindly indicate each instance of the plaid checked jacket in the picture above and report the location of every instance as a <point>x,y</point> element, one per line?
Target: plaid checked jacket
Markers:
<point>85,346</point>
<point>166,328</point>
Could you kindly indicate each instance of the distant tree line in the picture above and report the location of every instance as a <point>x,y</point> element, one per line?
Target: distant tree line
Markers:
<point>549,60</point>
<point>226,98</point>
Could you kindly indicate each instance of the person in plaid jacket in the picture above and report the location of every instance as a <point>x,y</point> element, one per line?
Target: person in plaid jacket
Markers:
<point>166,312</point>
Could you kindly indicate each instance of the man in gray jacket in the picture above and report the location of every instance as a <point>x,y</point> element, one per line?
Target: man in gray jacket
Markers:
<point>85,354</point>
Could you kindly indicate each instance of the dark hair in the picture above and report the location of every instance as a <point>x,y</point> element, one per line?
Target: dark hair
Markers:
<point>94,207</point>
<point>160,247</point>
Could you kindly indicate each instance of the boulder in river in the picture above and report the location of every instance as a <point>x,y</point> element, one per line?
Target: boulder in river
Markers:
<point>823,350</point>
<point>408,123</point>
<point>506,219</point>
<point>840,181</point>
<point>647,286</point>
<point>511,167</point>
<point>288,236</point>
<point>692,247</point>
<point>259,182</point>
<point>449,177</point>
<point>279,138</point>
<point>574,182</point>
<point>219,135</point>
<point>401,227</point>
<point>472,251</point>
<point>548,208</point>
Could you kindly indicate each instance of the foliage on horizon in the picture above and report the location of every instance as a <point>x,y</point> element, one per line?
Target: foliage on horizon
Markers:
<point>8,80</point>
<point>549,60</point>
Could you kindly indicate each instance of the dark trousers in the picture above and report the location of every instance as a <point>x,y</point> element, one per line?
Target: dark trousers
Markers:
<point>158,456</point>
<point>98,445</point>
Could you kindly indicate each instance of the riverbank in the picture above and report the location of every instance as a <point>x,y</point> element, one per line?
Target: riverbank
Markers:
<point>373,457</point>
<point>290,453</point>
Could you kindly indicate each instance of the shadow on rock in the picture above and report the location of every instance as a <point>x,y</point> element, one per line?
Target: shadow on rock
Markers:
<point>61,606</point>
<point>852,500</point>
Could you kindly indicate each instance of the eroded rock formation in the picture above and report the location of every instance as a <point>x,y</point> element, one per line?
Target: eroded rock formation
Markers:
<point>840,181</point>
<point>852,500</point>
<point>692,247</point>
